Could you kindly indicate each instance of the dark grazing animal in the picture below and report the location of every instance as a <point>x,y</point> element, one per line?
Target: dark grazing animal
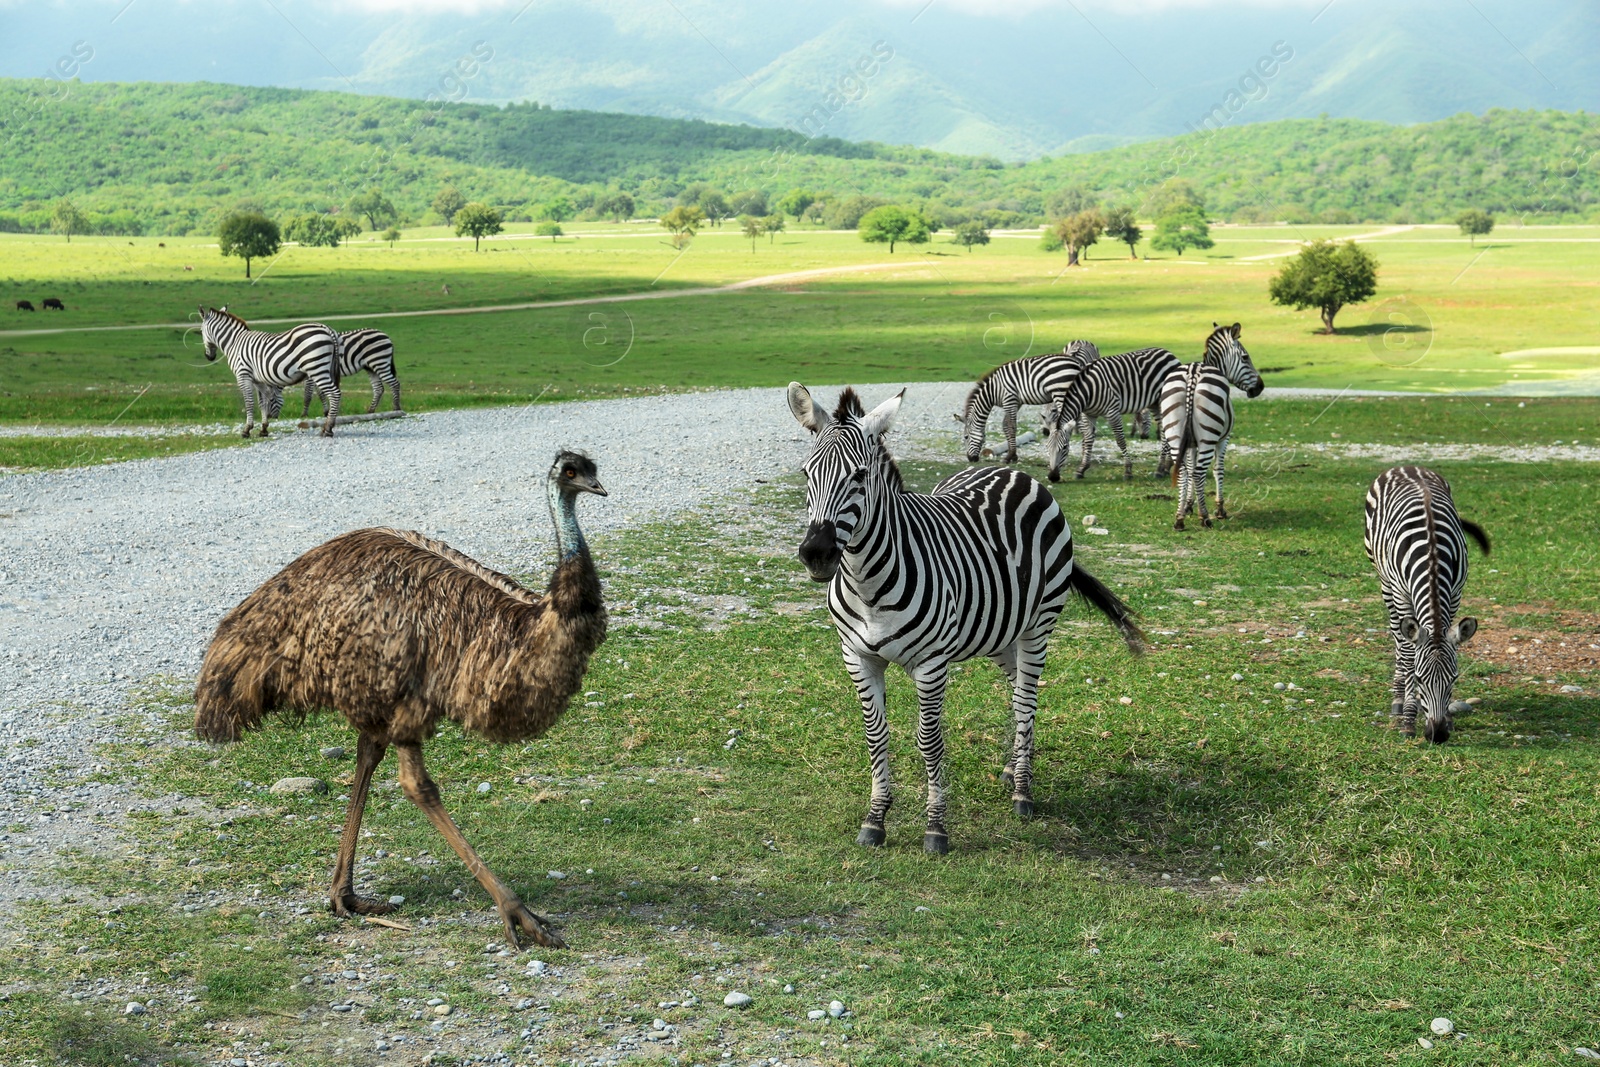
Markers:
<point>52,304</point>
<point>979,567</point>
<point>24,305</point>
<point>396,632</point>
<point>1416,540</point>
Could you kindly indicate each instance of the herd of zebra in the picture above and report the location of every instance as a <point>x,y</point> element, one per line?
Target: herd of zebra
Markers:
<point>264,364</point>
<point>982,566</point>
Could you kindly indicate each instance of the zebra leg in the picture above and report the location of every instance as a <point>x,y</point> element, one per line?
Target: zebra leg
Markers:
<point>1029,655</point>
<point>867,673</point>
<point>1087,426</point>
<point>1142,423</point>
<point>377,391</point>
<point>1010,424</point>
<point>1122,445</point>
<point>247,389</point>
<point>1006,660</point>
<point>330,397</point>
<point>930,679</point>
<point>394,390</point>
<point>305,411</point>
<point>1197,486</point>
<point>1216,472</point>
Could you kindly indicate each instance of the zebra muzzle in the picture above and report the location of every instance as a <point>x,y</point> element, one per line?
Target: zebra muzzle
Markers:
<point>820,551</point>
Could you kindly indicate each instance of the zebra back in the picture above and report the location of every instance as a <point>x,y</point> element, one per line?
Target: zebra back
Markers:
<point>1414,536</point>
<point>271,359</point>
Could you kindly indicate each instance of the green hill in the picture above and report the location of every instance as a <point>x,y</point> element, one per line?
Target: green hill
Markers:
<point>171,158</point>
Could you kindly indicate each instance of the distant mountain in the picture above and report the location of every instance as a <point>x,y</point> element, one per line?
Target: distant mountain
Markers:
<point>1048,82</point>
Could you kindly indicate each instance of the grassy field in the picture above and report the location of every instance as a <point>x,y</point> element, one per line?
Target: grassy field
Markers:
<point>1220,873</point>
<point>1446,317</point>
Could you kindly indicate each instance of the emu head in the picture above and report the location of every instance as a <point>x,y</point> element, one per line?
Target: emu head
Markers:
<point>847,449</point>
<point>1434,671</point>
<point>573,473</point>
<point>1225,352</point>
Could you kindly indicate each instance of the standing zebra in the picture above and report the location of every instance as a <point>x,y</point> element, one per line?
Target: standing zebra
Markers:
<point>1030,380</point>
<point>1415,539</point>
<point>262,361</point>
<point>368,350</point>
<point>1197,415</point>
<point>979,567</point>
<point>1108,388</point>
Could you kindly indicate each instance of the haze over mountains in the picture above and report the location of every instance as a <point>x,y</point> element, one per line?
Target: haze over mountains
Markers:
<point>1050,78</point>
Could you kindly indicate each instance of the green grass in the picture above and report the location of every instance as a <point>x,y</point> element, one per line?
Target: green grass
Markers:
<point>30,452</point>
<point>1397,881</point>
<point>943,315</point>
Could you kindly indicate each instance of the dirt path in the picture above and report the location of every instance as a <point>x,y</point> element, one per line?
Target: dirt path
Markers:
<point>1387,231</point>
<point>532,305</point>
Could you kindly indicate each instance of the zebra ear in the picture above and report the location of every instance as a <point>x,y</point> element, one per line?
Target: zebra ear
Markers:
<point>806,413</point>
<point>1234,329</point>
<point>1409,629</point>
<point>879,419</point>
<point>1463,630</point>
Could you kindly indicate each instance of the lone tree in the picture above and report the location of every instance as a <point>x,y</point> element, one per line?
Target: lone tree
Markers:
<point>1326,275</point>
<point>480,220</point>
<point>772,225</point>
<point>448,202</point>
<point>557,210</point>
<point>972,232</point>
<point>346,227</point>
<point>391,235</point>
<point>752,228</point>
<point>1183,226</point>
<point>1475,224</point>
<point>1170,194</point>
<point>376,207</point>
<point>750,202</point>
<point>551,230</point>
<point>65,218</point>
<point>714,206</point>
<point>248,235</point>
<point>893,224</point>
<point>618,205</point>
<point>1122,225</point>
<point>1077,232</point>
<point>312,230</point>
<point>795,202</point>
<point>683,222</point>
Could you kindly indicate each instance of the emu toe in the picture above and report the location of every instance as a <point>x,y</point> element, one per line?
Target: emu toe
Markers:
<point>935,843</point>
<point>349,904</point>
<point>871,837</point>
<point>1023,808</point>
<point>515,914</point>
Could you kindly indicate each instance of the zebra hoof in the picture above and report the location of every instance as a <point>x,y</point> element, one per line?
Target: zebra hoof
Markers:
<point>1008,778</point>
<point>1079,476</point>
<point>1023,808</point>
<point>871,837</point>
<point>1206,523</point>
<point>1178,525</point>
<point>935,844</point>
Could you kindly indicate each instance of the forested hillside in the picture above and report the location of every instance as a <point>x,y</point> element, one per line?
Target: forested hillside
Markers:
<point>171,159</point>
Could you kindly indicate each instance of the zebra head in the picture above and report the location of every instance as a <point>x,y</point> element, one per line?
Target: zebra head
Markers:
<point>215,329</point>
<point>1224,352</point>
<point>1434,671</point>
<point>847,454</point>
<point>973,417</point>
<point>1058,426</point>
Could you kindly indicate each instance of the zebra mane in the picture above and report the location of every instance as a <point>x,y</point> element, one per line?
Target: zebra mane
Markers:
<point>849,405</point>
<point>850,411</point>
<point>225,313</point>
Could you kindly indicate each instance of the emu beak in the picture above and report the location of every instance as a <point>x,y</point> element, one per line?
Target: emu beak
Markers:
<point>593,487</point>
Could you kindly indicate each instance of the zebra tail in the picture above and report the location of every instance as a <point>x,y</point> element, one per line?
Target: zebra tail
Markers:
<point>1095,592</point>
<point>1186,441</point>
<point>1475,531</point>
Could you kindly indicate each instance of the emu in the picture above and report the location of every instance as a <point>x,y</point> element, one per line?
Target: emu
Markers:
<point>396,632</point>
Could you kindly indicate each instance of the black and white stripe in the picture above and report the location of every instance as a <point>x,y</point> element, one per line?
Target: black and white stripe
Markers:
<point>365,350</point>
<point>1418,543</point>
<point>264,361</point>
<point>1030,380</point>
<point>979,567</point>
<point>1108,388</point>
<point>1197,416</point>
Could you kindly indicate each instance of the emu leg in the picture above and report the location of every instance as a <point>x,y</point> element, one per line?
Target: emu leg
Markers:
<point>425,795</point>
<point>343,898</point>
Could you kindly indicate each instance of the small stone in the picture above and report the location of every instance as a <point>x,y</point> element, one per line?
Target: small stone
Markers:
<point>816,1013</point>
<point>349,976</point>
<point>585,802</point>
<point>1279,686</point>
<point>1572,689</point>
<point>922,907</point>
<point>1442,1027</point>
<point>1459,707</point>
<point>557,875</point>
<point>1585,1053</point>
<point>434,1002</point>
<point>1424,1042</point>
<point>1216,879</point>
<point>1091,520</point>
<point>442,1009</point>
<point>299,785</point>
<point>836,1008</point>
<point>1474,701</point>
<point>1263,844</point>
<point>484,787</point>
<point>538,967</point>
<point>341,1007</point>
<point>524,1004</point>
<point>1098,531</point>
<point>659,1024</point>
<point>788,989</point>
<point>737,999</point>
<point>397,900</point>
<point>333,752</point>
<point>134,1008</point>
<point>1238,677</point>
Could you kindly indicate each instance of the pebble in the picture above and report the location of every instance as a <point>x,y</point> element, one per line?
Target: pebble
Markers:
<point>1459,707</point>
<point>788,989</point>
<point>538,967</point>
<point>922,907</point>
<point>1442,1027</point>
<point>1124,700</point>
<point>1585,1053</point>
<point>1279,686</point>
<point>134,1008</point>
<point>557,875</point>
<point>484,787</point>
<point>737,999</point>
<point>397,900</point>
<point>442,1009</point>
<point>1572,689</point>
<point>1098,531</point>
<point>1091,520</point>
<point>1216,878</point>
<point>836,1008</point>
<point>659,1024</point>
<point>816,1013</point>
<point>333,752</point>
<point>1238,677</point>
<point>1424,1042</point>
<point>299,785</point>
<point>341,1007</point>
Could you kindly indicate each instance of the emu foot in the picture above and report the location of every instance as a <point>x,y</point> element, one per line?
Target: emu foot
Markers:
<point>515,914</point>
<point>871,836</point>
<point>1023,808</point>
<point>935,842</point>
<point>348,903</point>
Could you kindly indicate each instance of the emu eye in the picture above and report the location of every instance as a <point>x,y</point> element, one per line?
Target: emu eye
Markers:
<point>569,473</point>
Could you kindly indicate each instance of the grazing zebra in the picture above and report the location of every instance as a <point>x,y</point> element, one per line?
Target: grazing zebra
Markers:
<point>1197,415</point>
<point>1108,388</point>
<point>263,361</point>
<point>1415,539</point>
<point>1030,380</point>
<point>368,350</point>
<point>979,567</point>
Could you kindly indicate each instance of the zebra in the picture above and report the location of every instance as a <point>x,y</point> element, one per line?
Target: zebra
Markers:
<point>979,567</point>
<point>368,350</point>
<point>1415,539</point>
<point>1029,380</point>
<point>262,361</point>
<point>1197,415</point>
<point>1107,388</point>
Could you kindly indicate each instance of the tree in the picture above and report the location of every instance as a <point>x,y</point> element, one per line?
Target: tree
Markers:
<point>1078,232</point>
<point>713,205</point>
<point>1475,223</point>
<point>346,227</point>
<point>551,230</point>
<point>772,225</point>
<point>618,205</point>
<point>1173,193</point>
<point>1070,201</point>
<point>557,210</point>
<point>480,220</point>
<point>375,206</point>
<point>752,228</point>
<point>1183,226</point>
<point>683,222</point>
<point>1326,275</point>
<point>248,235</point>
<point>65,218</point>
<point>312,230</point>
<point>847,214</point>
<point>448,202</point>
<point>972,232</point>
<point>893,224</point>
<point>795,202</point>
<point>750,202</point>
<point>391,235</point>
<point>1121,225</point>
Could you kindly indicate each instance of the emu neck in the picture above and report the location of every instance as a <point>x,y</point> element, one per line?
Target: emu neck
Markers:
<point>569,538</point>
